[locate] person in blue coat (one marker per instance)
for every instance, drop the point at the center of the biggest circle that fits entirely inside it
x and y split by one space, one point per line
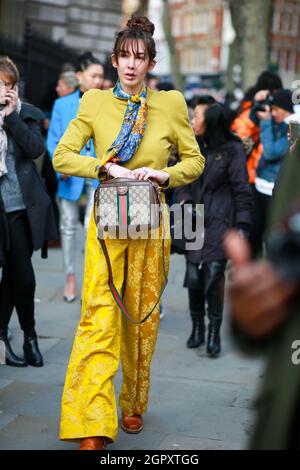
273 124
90 75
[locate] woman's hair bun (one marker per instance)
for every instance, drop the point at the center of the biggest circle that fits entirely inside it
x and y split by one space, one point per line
141 23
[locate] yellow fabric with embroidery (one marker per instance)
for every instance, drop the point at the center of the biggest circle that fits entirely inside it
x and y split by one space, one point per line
88 403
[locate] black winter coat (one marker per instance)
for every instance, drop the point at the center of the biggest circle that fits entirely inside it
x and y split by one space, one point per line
227 199
24 129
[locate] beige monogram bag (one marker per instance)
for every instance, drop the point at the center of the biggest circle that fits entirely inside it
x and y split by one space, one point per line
124 203
121 204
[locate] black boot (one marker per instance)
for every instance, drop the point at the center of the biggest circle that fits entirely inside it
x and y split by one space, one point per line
10 357
31 350
198 330
213 340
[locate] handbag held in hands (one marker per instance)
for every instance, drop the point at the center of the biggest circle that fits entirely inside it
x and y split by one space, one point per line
127 208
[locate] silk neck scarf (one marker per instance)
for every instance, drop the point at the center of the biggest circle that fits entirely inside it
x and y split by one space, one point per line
133 126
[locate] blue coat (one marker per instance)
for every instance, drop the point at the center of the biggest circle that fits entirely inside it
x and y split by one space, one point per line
64 110
274 138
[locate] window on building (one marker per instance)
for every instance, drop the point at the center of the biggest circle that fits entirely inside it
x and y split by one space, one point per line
176 23
203 22
282 59
188 24
295 25
196 60
292 59
276 22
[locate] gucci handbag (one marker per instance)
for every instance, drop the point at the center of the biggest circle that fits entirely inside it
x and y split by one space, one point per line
123 206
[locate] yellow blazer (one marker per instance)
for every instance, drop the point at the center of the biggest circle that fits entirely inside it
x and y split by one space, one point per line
100 117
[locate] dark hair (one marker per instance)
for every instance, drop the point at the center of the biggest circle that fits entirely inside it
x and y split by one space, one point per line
85 60
165 86
203 99
138 27
268 81
217 129
9 68
249 94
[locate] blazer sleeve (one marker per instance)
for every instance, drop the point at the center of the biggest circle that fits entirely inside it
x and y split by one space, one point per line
192 162
67 159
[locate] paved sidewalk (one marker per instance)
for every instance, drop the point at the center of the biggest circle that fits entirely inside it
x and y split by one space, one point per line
196 402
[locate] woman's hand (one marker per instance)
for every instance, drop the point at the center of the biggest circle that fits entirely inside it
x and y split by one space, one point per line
261 95
11 98
117 171
145 173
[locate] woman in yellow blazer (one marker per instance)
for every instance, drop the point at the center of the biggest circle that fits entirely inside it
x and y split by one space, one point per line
134 129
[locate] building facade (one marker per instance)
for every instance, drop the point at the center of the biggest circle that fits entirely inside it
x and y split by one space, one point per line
79 24
198 29
203 33
285 39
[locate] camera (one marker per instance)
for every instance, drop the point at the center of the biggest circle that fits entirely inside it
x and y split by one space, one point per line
262 105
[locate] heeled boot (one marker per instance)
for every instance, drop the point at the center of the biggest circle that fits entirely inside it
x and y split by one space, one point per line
196 338
214 340
32 353
215 281
11 359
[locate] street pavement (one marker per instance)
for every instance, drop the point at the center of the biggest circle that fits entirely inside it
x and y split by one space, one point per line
195 402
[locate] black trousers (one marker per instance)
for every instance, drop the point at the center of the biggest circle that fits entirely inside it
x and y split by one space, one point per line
17 285
260 217
206 285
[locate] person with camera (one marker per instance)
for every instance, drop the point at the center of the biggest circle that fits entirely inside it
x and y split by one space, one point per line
26 216
246 128
90 75
272 116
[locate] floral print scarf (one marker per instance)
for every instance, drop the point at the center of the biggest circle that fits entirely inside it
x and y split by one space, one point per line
133 126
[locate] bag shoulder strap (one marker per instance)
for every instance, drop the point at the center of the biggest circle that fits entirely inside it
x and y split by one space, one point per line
116 295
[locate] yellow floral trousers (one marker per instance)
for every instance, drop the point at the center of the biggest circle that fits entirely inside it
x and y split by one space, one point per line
104 334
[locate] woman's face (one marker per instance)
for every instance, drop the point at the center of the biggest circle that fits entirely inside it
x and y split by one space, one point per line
92 77
5 85
198 121
132 64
